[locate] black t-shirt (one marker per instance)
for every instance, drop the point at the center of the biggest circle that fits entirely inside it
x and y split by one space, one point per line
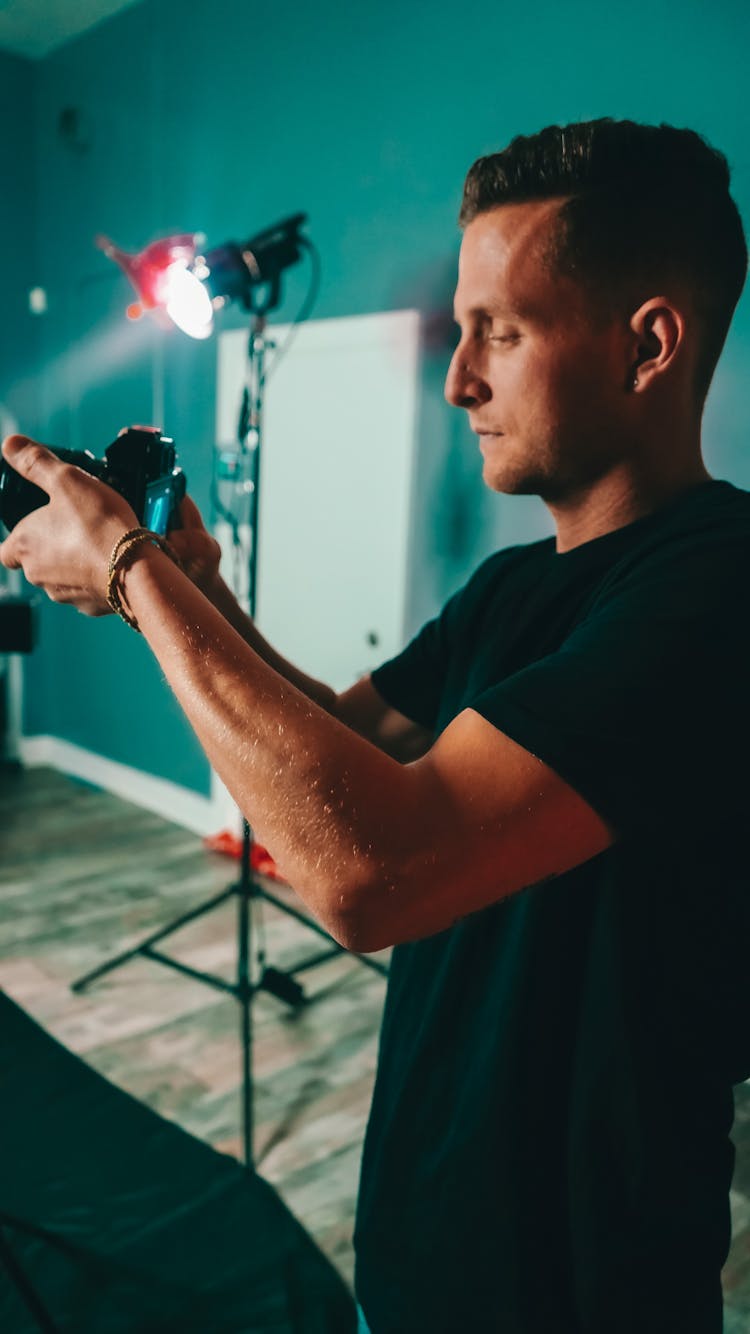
548 1148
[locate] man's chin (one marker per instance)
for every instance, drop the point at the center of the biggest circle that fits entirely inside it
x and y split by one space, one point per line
509 481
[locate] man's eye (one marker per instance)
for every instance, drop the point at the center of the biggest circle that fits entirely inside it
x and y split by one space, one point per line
503 338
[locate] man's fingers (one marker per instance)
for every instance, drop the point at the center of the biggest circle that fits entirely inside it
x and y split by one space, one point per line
31 460
197 550
8 559
190 514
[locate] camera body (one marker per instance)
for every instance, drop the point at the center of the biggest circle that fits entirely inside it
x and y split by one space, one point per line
140 465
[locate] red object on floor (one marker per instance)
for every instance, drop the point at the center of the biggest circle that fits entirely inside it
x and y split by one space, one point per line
230 845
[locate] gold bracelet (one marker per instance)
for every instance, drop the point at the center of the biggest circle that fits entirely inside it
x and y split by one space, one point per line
122 557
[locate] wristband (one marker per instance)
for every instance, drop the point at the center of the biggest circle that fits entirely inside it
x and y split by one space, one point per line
124 550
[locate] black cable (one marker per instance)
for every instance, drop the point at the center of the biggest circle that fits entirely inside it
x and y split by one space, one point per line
303 313
218 509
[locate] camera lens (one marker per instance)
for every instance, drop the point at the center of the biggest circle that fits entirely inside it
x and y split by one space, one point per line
18 496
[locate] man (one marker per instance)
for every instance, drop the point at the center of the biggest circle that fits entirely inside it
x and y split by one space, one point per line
539 801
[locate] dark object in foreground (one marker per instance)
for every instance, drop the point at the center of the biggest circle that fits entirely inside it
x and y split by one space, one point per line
114 1221
16 623
139 464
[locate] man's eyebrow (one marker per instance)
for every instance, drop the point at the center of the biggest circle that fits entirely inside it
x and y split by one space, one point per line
490 312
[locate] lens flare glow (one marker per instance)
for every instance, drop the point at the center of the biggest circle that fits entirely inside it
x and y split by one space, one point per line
187 301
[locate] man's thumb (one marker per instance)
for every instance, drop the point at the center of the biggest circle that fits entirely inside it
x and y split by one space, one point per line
30 459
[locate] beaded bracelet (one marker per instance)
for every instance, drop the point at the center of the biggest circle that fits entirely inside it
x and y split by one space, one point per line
121 558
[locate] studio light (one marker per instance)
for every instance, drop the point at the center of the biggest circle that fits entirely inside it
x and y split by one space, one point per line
176 276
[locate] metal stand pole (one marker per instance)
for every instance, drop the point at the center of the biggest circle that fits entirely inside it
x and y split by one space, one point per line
245 993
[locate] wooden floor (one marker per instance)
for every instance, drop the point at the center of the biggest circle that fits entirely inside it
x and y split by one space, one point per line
83 873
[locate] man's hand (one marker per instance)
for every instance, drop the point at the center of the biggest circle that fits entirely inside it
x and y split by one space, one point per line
64 547
199 552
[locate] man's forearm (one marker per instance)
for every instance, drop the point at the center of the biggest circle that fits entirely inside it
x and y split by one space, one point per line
331 807
224 600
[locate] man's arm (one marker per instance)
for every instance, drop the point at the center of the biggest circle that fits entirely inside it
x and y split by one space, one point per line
382 852
360 707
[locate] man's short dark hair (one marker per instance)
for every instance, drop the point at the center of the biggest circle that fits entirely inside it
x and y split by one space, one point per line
642 204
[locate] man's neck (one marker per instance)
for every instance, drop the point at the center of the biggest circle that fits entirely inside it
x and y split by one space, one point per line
616 500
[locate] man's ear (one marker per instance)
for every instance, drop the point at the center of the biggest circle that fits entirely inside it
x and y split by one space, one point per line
658 326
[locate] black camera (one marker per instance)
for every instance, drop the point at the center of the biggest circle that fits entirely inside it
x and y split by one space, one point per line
139 464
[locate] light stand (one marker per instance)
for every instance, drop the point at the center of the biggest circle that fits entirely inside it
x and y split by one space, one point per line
264 258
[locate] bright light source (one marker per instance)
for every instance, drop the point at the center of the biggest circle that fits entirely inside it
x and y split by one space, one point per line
171 277
187 301
149 271
38 301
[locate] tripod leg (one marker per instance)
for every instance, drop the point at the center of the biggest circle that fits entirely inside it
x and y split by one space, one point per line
118 960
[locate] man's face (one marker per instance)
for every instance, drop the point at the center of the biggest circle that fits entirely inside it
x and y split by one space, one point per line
541 377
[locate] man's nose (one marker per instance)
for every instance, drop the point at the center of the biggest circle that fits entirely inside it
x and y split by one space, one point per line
464 387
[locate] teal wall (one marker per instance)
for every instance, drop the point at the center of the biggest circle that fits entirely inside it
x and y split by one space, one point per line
18 328
224 117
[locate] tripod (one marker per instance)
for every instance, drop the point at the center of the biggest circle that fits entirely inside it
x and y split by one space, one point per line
280 983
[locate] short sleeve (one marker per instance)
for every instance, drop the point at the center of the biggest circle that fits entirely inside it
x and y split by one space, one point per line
643 708
414 681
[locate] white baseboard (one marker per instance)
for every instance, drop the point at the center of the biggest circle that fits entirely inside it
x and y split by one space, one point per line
201 815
